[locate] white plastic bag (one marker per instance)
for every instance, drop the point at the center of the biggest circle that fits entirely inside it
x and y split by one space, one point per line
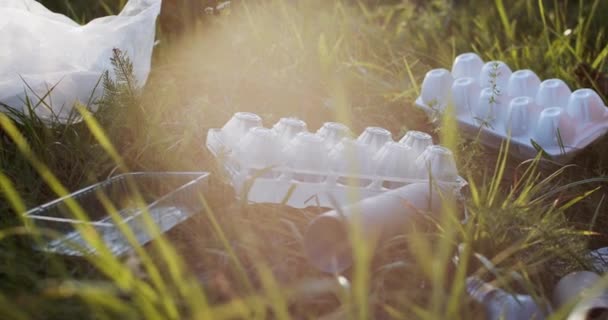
42 51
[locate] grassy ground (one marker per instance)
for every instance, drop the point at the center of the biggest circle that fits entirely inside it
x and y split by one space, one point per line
360 63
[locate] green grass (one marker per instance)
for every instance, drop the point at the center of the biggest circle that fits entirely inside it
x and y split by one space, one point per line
360 63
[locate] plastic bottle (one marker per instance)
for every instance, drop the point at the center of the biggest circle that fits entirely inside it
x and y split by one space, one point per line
500 304
581 288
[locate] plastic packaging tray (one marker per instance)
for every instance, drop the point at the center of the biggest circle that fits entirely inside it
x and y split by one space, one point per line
496 103
170 198
288 164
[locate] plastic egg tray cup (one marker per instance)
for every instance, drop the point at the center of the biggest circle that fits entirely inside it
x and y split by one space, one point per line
288 164
502 104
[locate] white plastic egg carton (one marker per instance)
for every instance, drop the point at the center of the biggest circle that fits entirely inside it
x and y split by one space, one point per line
496 103
287 164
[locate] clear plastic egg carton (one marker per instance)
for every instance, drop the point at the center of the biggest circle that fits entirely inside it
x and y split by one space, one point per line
491 100
288 164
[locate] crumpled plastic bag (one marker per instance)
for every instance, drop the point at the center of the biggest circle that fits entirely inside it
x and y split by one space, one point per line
56 62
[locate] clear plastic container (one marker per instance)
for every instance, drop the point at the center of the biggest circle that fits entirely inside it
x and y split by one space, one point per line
169 198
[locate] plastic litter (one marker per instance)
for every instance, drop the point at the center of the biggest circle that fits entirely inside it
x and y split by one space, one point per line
581 288
327 241
599 259
43 50
288 164
500 103
503 305
170 198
